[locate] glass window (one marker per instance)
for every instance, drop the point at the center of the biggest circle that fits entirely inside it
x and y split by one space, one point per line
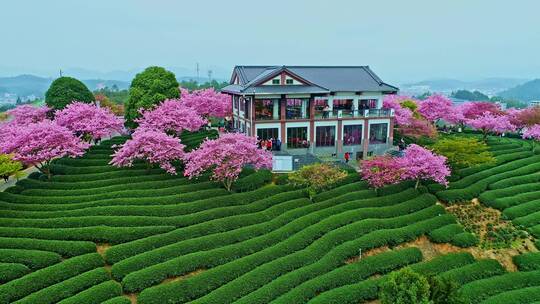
297 138
365 104
275 81
267 133
297 108
289 81
325 136
352 135
377 133
343 104
264 109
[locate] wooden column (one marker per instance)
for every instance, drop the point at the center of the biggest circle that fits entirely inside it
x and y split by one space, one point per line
339 142
365 143
391 132
312 121
283 116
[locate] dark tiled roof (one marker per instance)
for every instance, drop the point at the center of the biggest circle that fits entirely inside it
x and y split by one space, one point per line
331 78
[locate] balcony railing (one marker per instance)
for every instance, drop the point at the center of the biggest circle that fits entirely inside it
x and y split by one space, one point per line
352 113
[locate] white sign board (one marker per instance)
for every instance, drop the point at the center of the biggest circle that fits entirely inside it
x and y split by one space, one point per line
282 163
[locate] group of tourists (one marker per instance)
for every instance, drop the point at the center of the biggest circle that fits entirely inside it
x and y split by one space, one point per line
271 144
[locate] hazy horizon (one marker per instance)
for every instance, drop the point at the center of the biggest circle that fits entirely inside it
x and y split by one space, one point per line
401 41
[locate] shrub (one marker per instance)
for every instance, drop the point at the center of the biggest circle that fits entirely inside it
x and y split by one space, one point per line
446 233
95 294
463 151
475 292
65 90
147 89
64 248
253 181
45 277
527 261
317 177
209 280
349 274
117 300
11 271
514 181
341 190
34 259
464 239
67 288
489 197
479 270
97 234
519 296
404 287
368 289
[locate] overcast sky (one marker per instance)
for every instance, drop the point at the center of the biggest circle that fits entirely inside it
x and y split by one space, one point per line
400 40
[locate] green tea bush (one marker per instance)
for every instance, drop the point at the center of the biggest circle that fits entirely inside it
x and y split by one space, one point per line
67 288
253 181
117 300
445 234
40 279
479 270
519 296
377 237
64 248
527 261
97 234
95 294
464 239
33 259
11 271
368 289
348 274
475 292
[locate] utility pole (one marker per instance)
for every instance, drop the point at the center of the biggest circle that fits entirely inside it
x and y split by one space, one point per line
197 72
209 75
60 72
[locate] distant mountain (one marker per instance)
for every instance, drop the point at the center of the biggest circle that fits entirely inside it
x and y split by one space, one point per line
25 85
489 86
526 92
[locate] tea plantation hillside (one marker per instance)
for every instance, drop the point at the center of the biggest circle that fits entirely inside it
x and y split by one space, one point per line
99 234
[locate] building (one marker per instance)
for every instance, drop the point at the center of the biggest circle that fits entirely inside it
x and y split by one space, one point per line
534 103
323 110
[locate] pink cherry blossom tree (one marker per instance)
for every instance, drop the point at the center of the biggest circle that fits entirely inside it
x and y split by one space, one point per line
402 115
380 171
472 110
489 122
436 107
207 102
27 114
89 121
226 156
419 163
418 127
533 133
171 116
153 147
39 143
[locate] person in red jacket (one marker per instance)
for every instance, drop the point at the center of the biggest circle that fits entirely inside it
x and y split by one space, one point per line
346 156
269 144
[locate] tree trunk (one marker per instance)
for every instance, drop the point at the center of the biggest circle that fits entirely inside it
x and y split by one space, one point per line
417 184
228 184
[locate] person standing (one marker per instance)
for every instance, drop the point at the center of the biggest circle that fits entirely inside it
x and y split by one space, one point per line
346 156
326 111
269 145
